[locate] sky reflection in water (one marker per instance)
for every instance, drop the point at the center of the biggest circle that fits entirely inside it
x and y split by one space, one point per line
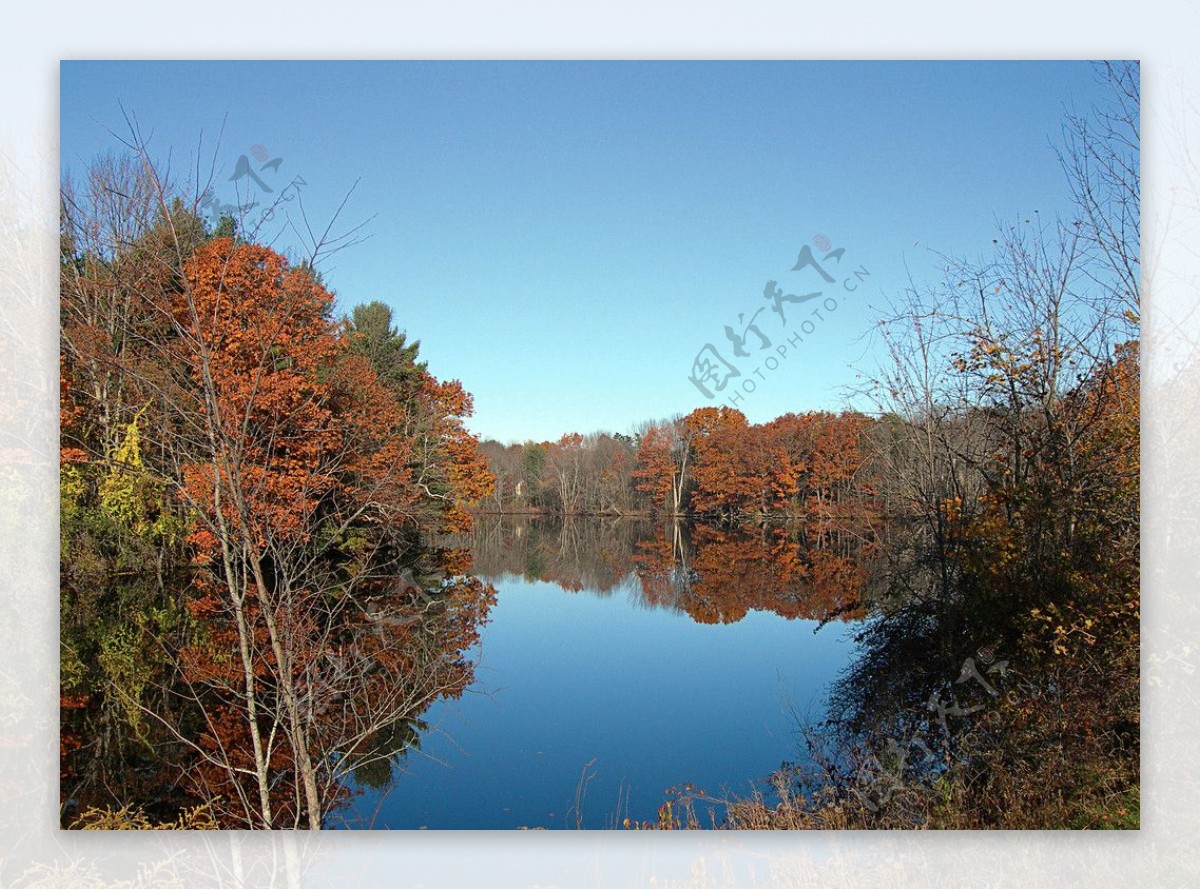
648 696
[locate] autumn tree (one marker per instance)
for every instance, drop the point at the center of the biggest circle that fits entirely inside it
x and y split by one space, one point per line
297 444
664 465
445 462
737 467
611 467
1009 428
213 404
505 463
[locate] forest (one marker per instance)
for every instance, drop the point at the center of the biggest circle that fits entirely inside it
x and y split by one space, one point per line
266 505
711 464
249 614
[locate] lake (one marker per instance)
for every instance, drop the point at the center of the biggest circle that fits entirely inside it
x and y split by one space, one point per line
623 659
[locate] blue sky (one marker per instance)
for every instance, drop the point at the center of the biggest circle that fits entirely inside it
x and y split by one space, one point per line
566 237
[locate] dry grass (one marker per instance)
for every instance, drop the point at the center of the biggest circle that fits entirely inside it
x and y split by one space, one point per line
128 818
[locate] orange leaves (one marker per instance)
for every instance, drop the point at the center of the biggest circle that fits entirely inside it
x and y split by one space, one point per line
729 573
298 423
1111 404
656 469
450 455
374 453
68 417
705 421
299 431
737 469
731 469
795 460
470 478
258 337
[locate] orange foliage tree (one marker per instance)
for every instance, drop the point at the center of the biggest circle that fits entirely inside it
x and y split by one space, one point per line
663 466
714 463
445 461
298 471
738 468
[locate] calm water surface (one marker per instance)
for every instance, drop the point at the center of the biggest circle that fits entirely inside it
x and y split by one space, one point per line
596 692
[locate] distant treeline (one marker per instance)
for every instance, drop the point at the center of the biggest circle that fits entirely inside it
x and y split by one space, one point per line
711 464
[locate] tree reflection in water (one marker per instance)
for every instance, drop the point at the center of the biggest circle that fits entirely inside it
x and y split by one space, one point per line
380 658
715 575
